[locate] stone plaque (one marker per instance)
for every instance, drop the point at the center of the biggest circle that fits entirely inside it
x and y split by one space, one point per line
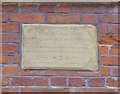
59 46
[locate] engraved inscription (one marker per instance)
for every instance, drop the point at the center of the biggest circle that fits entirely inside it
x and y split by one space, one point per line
59 46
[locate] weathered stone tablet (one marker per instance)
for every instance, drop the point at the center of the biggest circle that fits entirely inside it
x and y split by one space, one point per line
59 46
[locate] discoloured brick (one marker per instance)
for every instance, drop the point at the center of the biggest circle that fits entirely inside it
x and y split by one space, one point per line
5 17
114 28
113 8
112 82
28 8
28 18
90 19
63 19
10 90
10 28
115 71
4 59
105 71
102 29
9 8
4 37
109 18
63 9
16 59
58 81
45 90
88 8
109 39
5 81
9 48
115 50
30 81
14 38
10 70
46 8
98 82
103 49
110 61
76 82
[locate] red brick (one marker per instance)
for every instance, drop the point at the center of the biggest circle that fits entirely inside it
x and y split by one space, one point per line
28 8
105 71
109 39
89 8
10 28
5 17
103 49
5 81
28 18
109 60
63 19
45 90
96 90
4 59
14 38
63 9
1 91
112 82
58 81
16 59
10 90
109 18
115 49
90 19
31 73
97 82
9 8
1 84
113 8
114 28
103 29
4 37
30 81
76 82
9 48
54 90
115 71
46 8
10 70
30 90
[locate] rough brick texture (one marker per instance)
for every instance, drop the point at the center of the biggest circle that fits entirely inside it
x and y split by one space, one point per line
29 82
98 82
103 16
58 81
76 82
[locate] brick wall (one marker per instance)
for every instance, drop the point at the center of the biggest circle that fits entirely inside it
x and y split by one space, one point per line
103 16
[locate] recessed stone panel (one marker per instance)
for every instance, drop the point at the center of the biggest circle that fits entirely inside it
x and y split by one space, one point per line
59 46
